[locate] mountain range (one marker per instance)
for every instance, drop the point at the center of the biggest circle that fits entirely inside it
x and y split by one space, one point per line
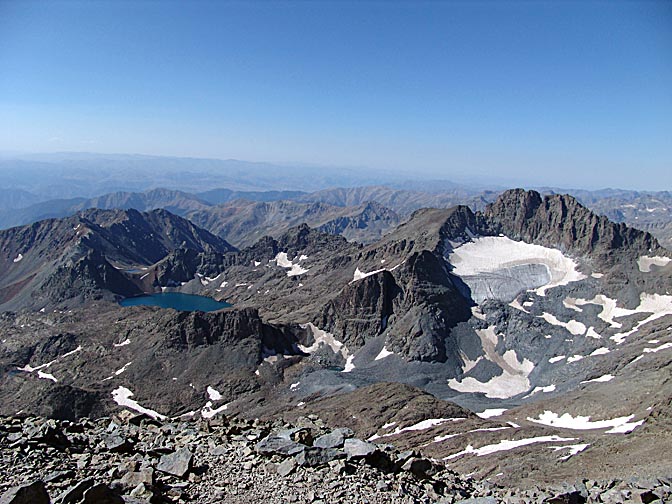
551 322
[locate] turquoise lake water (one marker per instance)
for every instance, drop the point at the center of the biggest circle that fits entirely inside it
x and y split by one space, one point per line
177 301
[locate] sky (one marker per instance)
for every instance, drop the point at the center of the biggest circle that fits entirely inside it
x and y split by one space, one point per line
562 93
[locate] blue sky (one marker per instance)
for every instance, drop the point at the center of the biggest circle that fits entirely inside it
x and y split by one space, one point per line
571 94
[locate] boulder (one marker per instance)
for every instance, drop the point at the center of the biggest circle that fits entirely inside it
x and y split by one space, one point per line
356 448
278 445
32 493
177 463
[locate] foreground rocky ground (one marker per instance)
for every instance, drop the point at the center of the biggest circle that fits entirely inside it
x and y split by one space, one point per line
135 459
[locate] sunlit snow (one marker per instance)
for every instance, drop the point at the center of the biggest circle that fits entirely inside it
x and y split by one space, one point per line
573 326
213 394
492 254
322 338
620 425
601 379
492 412
383 353
18 258
506 445
294 269
122 396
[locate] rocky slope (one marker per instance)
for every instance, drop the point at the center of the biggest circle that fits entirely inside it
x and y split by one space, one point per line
535 313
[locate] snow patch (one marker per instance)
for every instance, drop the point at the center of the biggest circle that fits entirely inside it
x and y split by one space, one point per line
123 343
602 379
322 338
489 254
492 412
213 394
349 366
506 445
122 396
294 269
573 326
545 390
664 346
124 368
512 381
383 353
208 412
46 376
655 304
516 304
620 425
573 449
645 262
18 258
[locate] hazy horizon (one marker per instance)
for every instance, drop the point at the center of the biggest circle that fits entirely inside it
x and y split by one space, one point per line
559 94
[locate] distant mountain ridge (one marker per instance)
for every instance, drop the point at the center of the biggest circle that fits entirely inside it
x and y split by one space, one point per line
647 211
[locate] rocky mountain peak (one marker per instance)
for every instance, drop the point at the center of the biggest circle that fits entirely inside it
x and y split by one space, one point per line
560 221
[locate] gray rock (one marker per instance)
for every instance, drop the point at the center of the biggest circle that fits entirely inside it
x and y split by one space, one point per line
177 463
33 493
334 439
314 457
356 448
278 445
115 442
286 467
479 500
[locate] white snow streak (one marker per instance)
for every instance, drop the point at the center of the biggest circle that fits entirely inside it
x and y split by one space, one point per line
122 396
620 425
492 412
506 445
601 379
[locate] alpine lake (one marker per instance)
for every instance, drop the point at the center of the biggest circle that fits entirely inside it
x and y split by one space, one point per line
177 301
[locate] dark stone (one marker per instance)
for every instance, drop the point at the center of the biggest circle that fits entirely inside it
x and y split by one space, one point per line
276 445
419 467
115 442
101 494
648 497
314 457
302 436
571 497
76 493
177 463
33 493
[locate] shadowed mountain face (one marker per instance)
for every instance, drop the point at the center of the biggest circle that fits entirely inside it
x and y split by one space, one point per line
535 305
83 256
